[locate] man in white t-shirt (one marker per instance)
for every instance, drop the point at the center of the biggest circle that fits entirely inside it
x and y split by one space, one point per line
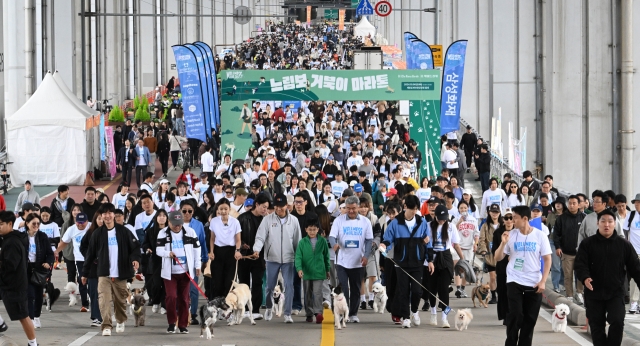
207 161
75 234
351 238
119 200
338 186
526 247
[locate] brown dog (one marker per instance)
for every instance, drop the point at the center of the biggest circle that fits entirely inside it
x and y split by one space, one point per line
139 309
482 293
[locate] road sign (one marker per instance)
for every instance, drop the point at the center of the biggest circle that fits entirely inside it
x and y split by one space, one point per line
364 8
436 51
242 15
331 14
383 8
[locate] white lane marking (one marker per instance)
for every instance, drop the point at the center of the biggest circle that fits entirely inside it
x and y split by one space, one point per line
81 340
569 332
49 194
637 325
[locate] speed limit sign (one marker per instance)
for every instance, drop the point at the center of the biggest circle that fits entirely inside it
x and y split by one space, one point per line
383 8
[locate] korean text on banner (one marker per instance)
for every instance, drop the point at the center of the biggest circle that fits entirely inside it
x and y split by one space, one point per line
213 79
103 150
200 55
419 55
308 15
110 150
341 14
452 78
191 92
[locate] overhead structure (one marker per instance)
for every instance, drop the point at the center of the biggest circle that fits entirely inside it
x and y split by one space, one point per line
49 138
364 28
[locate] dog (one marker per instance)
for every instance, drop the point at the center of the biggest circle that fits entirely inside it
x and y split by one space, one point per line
380 298
463 318
132 293
236 300
482 293
71 288
139 309
209 315
51 294
395 139
340 307
278 300
559 319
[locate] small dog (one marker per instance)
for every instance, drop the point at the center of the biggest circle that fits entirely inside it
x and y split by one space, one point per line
482 293
236 300
52 294
71 288
139 309
132 293
278 300
340 307
209 315
380 298
463 318
559 319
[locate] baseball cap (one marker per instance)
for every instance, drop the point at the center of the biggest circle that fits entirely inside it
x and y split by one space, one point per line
203 175
280 200
330 157
28 206
507 211
441 213
466 192
536 206
358 188
392 192
81 218
240 192
164 181
238 182
405 174
353 183
175 218
249 202
434 199
495 208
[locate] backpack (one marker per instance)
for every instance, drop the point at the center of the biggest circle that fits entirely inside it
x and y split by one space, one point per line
631 217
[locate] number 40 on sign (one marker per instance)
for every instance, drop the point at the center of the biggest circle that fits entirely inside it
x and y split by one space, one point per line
383 8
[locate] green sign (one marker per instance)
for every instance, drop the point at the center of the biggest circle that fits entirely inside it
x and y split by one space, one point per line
330 14
354 3
418 86
424 127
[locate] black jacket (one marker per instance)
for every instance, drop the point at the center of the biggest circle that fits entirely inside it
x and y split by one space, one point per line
565 232
604 261
303 220
90 268
13 262
249 224
44 253
128 251
56 214
89 209
483 163
468 142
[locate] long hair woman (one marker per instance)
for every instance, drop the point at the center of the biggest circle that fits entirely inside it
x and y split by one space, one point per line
514 198
67 252
225 240
468 233
155 284
484 246
91 270
501 267
40 259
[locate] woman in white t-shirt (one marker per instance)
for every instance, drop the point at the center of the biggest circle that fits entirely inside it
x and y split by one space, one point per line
224 248
486 242
424 192
159 197
468 233
493 196
514 198
38 245
443 237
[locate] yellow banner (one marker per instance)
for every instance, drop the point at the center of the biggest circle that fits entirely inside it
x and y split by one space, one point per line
308 15
341 14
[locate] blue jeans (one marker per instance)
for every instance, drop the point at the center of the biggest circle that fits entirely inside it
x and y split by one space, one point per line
180 126
557 274
297 296
288 272
93 295
484 180
194 295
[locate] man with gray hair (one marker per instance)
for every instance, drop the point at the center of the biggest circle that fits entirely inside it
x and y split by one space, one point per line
351 238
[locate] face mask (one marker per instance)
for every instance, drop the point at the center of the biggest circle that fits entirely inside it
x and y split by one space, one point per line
464 213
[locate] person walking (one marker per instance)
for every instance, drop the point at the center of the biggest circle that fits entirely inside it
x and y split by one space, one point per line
40 261
61 205
179 248
526 279
29 195
164 149
631 225
189 208
224 248
74 236
91 272
565 239
280 233
125 160
207 162
14 281
602 263
142 160
501 266
468 143
483 165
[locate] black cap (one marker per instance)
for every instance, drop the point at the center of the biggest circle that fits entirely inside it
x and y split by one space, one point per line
280 200
441 213
495 208
434 199
255 184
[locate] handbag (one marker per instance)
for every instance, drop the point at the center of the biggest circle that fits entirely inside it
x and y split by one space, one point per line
39 278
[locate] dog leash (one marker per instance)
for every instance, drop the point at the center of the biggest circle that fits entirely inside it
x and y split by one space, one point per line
190 278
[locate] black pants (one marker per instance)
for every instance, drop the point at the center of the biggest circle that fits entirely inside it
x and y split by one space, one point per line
501 278
438 284
250 272
601 311
468 155
164 161
390 281
524 307
127 173
84 292
72 273
141 171
34 293
174 158
407 291
223 269
351 280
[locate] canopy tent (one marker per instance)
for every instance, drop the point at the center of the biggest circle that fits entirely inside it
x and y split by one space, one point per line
47 138
364 28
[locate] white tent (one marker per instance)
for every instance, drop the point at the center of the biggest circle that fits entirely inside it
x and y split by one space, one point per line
47 137
364 28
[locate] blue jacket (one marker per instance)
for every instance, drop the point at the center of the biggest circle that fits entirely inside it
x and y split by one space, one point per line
199 228
145 153
411 250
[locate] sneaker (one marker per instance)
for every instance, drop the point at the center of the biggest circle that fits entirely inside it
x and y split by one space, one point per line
155 308
396 319
263 307
445 324
319 318
246 314
434 320
562 288
295 312
415 319
570 299
371 304
326 304
493 301
3 327
257 317
163 311
171 329
96 323
268 315
36 322
463 293
354 319
556 289
406 323
184 330
106 332
363 305
579 299
194 320
120 328
83 309
458 293
288 319
309 319
633 308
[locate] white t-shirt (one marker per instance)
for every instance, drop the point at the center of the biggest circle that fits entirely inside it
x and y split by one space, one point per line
16 225
119 200
351 236
147 186
493 197
177 246
423 194
32 249
143 220
467 232
357 161
438 244
634 229
338 188
525 252
73 234
201 188
158 199
512 200
225 234
113 253
133 231
450 155
52 230
217 196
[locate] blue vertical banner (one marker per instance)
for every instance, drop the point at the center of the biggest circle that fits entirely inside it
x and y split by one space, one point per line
191 89
213 87
103 141
204 87
418 53
451 97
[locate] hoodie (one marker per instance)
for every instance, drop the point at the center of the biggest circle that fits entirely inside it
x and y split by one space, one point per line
13 262
410 248
280 240
25 196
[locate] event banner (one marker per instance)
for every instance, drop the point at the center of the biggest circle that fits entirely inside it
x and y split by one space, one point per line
204 85
451 99
190 87
215 104
103 150
424 128
419 55
110 150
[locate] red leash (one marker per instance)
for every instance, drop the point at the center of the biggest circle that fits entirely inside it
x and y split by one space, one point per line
190 278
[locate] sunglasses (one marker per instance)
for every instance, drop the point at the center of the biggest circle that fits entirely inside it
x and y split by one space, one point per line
228 192
35 224
508 218
187 211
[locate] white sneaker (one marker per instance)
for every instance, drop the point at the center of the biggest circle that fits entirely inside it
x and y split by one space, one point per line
155 307
288 319
415 318
257 316
326 304
36 322
445 324
354 319
268 314
633 308
406 323
295 311
247 314
120 328
106 332
434 320
579 299
570 299
163 311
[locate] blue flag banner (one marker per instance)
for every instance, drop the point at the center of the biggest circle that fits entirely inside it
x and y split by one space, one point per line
451 98
214 104
190 87
204 86
419 55
103 149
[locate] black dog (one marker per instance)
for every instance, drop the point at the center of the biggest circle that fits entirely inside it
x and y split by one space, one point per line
52 295
209 315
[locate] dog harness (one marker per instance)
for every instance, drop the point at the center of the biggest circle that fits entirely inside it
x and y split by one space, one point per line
483 295
560 318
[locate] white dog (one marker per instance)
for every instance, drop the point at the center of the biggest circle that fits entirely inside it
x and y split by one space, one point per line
559 319
278 300
340 307
463 318
71 288
380 298
239 296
